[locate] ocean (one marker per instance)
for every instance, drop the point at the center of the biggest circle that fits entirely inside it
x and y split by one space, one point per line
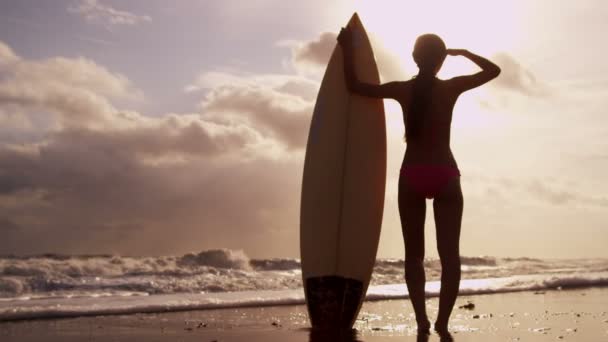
51 285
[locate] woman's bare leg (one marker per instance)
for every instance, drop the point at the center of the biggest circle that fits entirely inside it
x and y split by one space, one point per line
447 209
412 210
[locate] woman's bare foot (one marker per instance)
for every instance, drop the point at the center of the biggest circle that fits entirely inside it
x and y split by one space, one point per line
424 327
445 337
441 327
443 332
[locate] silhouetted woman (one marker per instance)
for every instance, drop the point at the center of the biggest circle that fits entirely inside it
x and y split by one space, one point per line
429 169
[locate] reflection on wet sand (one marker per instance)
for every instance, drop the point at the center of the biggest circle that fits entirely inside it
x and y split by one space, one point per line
351 336
443 337
334 336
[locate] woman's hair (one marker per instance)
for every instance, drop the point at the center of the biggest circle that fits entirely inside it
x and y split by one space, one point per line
429 53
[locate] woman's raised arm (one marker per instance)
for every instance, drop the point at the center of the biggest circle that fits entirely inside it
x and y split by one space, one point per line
488 72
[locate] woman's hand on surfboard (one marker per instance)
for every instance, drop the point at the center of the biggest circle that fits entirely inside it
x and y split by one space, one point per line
345 38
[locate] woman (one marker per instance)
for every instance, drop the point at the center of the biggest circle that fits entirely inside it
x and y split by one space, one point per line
429 169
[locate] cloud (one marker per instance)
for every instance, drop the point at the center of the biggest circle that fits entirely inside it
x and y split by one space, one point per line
551 192
279 106
557 196
8 225
517 78
94 11
315 52
88 191
89 176
273 111
290 84
313 56
7 55
62 92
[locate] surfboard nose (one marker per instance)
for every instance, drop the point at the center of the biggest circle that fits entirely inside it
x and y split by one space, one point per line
355 20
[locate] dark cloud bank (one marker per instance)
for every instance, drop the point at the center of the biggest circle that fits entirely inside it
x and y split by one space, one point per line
78 175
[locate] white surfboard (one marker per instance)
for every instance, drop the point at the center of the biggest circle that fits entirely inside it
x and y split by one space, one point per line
342 190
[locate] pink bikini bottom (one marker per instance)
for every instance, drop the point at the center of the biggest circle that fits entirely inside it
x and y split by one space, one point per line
429 179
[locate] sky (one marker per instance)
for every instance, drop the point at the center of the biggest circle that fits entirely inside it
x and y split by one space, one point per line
151 127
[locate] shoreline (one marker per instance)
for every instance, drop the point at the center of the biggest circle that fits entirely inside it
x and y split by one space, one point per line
568 315
17 309
146 311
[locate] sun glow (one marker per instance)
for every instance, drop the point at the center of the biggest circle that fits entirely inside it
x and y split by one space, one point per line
481 26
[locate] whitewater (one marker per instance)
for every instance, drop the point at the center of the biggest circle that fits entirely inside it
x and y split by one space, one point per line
48 286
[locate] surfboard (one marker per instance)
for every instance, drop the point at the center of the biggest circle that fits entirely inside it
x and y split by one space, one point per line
343 187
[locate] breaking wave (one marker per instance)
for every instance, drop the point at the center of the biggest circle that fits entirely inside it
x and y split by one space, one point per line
223 277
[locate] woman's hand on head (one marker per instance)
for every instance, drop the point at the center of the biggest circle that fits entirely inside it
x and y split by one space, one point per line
456 52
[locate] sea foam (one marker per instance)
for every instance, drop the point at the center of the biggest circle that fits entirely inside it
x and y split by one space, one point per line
19 309
61 285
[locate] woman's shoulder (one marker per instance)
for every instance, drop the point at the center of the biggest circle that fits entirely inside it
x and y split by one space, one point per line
445 81
407 84
402 84
449 84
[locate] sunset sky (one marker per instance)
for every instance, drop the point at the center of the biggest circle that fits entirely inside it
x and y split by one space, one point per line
149 127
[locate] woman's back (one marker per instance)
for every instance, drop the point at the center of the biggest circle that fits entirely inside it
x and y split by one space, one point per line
432 143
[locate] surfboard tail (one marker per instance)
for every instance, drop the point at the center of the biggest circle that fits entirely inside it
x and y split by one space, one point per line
333 301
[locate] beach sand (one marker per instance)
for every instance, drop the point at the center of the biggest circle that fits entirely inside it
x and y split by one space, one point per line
558 315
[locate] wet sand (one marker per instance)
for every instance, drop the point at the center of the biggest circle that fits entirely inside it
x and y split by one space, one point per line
567 315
